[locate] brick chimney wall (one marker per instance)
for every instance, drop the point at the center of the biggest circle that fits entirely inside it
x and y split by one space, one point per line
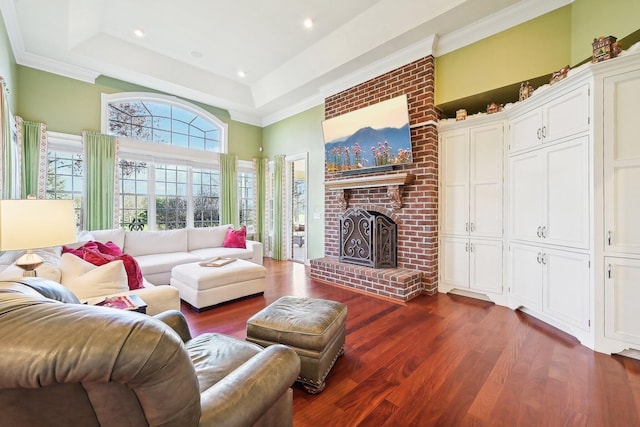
417 219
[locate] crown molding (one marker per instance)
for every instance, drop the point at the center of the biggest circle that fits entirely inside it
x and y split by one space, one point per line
243 117
56 67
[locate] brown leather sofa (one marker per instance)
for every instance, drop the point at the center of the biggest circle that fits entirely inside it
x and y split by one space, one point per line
68 364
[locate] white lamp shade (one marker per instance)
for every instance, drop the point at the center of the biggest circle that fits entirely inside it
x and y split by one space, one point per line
38 223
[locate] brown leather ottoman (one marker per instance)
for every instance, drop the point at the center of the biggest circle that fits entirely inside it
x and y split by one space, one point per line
314 328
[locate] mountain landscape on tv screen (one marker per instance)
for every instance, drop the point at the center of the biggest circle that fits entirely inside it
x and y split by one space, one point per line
368 147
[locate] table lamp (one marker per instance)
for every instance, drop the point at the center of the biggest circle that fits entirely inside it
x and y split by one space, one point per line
35 223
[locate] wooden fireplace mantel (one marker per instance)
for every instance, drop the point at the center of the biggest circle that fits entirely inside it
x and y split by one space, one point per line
393 182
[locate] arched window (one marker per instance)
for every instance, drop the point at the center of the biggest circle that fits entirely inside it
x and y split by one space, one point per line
163 119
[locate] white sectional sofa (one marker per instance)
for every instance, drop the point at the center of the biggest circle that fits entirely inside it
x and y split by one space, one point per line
156 252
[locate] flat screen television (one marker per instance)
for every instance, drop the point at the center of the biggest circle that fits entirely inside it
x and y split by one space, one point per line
373 137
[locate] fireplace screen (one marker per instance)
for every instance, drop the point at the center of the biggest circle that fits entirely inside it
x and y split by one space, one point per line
368 239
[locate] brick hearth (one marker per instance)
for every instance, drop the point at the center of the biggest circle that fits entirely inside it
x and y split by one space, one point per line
396 283
417 219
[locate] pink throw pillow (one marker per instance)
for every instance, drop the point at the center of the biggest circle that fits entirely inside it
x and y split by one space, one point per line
236 238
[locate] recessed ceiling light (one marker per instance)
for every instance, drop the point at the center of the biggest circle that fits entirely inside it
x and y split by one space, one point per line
138 32
196 54
242 74
308 23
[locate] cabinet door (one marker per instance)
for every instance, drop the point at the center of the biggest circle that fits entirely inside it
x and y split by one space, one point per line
455 182
525 275
525 131
566 286
622 163
621 296
525 209
566 204
454 262
566 115
485 265
485 180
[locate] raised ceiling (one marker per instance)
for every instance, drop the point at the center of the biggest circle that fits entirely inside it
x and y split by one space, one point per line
195 48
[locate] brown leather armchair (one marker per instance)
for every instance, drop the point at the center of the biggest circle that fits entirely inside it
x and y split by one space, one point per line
68 364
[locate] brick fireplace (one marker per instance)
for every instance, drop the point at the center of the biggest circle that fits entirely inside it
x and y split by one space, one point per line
408 194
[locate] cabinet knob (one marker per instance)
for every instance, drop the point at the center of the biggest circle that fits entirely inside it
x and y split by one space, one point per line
544 131
543 258
609 271
538 232
543 232
538 258
539 133
466 247
466 226
609 234
472 227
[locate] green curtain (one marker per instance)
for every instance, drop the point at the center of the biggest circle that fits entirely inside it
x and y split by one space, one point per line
30 150
7 151
278 208
260 171
100 167
229 190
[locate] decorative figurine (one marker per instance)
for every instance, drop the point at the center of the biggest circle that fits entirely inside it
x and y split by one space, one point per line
493 108
605 48
560 74
525 91
461 114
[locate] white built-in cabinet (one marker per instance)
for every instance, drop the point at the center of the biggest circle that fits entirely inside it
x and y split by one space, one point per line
571 198
560 117
471 193
552 282
550 194
620 276
550 205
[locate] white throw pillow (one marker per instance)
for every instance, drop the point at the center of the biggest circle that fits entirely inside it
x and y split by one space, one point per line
86 280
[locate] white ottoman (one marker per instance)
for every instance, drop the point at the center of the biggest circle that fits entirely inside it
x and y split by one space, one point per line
204 287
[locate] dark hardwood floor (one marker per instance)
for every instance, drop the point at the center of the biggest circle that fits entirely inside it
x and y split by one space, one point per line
446 361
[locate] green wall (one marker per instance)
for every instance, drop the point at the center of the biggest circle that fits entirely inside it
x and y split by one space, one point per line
596 18
71 106
299 134
532 49
8 67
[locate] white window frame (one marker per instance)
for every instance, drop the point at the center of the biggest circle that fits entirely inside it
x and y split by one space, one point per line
245 166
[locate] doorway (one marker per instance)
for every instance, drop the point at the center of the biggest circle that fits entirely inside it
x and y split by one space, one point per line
297 208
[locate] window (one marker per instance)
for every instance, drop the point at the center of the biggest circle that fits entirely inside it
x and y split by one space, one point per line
206 198
134 194
64 179
164 123
171 197
246 199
